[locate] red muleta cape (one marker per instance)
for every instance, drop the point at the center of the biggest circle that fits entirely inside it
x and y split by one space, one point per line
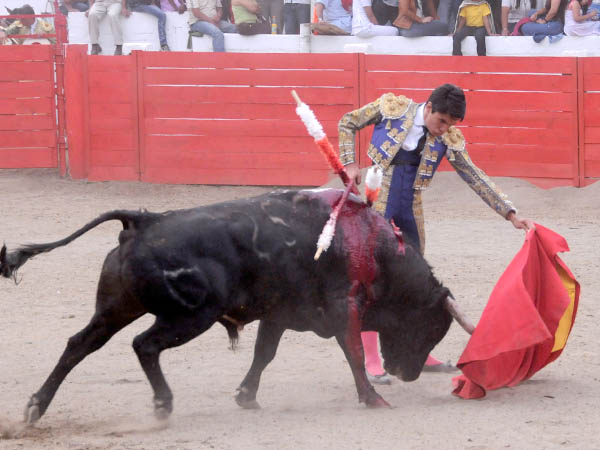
526 322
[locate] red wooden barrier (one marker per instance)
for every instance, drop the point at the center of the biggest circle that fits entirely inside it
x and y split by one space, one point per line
521 115
28 129
589 136
230 118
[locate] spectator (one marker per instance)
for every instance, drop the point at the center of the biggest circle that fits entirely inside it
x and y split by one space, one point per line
98 10
248 20
364 23
273 10
513 11
411 24
173 5
73 5
579 24
16 27
385 11
295 12
205 16
149 7
334 13
474 19
547 21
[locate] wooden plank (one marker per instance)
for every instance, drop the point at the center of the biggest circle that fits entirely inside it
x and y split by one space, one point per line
113 110
26 106
254 77
519 153
311 96
27 70
592 169
592 152
231 144
446 65
114 158
255 177
592 135
474 81
103 64
112 173
25 89
25 139
14 53
126 140
312 61
496 117
519 101
19 158
218 160
517 136
160 108
240 128
110 125
27 122
107 80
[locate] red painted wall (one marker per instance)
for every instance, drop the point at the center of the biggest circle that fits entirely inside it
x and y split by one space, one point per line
28 130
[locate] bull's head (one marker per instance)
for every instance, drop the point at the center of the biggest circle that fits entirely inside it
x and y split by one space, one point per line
413 318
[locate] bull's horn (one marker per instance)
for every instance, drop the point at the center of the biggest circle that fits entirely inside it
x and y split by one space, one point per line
454 309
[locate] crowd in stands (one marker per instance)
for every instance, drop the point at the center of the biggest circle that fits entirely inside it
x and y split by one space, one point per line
363 18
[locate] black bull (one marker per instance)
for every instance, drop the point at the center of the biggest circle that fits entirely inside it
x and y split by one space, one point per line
248 260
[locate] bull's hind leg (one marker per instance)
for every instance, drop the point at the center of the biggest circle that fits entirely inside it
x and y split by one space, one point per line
169 332
267 340
114 310
112 314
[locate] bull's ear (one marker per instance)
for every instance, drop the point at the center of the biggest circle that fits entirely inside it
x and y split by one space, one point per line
9 11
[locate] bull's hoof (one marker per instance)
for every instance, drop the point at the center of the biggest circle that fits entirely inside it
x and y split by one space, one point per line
162 409
32 411
245 400
377 402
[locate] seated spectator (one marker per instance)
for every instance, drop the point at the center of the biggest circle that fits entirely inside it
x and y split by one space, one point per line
364 23
513 11
16 27
333 12
295 12
99 9
205 16
547 21
474 19
173 5
579 24
385 11
411 24
67 6
149 7
248 19
273 10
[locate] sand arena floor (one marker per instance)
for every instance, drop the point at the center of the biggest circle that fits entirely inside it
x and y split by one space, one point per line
307 394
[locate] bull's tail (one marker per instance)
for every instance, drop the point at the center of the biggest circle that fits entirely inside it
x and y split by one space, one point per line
10 262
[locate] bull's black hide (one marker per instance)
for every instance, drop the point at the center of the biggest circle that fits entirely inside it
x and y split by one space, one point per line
248 260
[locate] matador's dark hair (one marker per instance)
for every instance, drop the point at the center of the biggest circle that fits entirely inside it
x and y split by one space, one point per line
449 99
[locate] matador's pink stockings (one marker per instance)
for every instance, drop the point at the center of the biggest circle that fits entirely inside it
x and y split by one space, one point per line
373 360
371 347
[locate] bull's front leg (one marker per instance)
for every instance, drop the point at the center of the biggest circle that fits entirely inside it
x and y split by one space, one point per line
267 340
351 344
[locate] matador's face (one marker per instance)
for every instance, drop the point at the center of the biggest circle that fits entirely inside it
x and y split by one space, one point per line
437 123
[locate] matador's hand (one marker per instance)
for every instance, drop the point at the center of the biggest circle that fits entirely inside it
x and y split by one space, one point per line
353 172
520 224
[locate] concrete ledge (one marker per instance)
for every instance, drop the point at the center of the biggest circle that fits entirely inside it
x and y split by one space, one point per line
140 28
